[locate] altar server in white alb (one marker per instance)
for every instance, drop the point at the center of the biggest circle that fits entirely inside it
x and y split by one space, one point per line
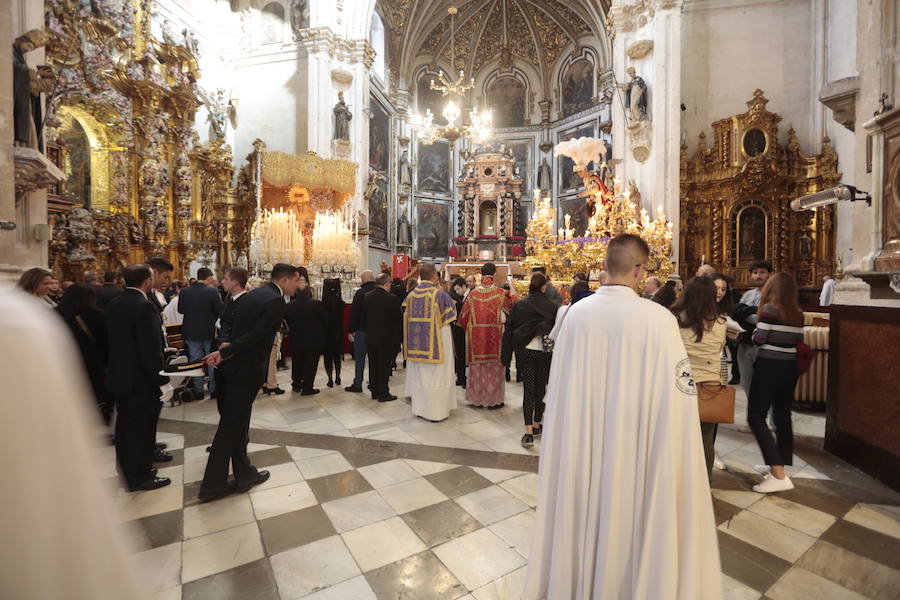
624 509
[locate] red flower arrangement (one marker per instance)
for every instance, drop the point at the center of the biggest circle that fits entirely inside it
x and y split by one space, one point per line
517 238
453 252
459 240
517 250
487 237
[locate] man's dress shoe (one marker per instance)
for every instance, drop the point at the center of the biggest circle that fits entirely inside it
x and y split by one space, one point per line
311 392
161 445
261 477
161 456
204 497
153 483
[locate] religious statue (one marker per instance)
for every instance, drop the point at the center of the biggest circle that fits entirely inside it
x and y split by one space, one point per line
635 97
404 231
299 17
405 170
191 42
544 177
217 114
168 32
342 117
27 86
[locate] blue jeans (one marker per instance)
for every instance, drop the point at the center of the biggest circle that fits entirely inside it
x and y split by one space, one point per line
359 355
196 351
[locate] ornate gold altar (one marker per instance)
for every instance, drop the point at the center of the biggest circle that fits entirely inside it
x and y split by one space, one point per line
489 219
120 124
735 198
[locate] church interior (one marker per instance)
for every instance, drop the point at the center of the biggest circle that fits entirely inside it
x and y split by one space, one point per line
350 136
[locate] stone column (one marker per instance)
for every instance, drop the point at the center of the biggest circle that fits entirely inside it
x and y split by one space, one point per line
648 39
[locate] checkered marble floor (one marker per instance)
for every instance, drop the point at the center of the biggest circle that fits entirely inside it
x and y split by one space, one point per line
367 502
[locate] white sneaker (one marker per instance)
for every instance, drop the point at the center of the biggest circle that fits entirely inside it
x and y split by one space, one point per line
762 469
718 464
771 484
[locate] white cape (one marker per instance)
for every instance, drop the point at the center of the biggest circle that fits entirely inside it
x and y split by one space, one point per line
432 386
624 509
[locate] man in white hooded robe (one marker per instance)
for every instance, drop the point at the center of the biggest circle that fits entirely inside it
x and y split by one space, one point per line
624 509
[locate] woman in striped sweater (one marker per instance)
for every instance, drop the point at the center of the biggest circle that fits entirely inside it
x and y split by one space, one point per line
775 374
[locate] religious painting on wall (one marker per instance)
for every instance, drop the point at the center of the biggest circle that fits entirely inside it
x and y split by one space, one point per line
432 229
576 208
379 136
568 180
506 97
751 235
521 152
433 168
577 87
427 98
754 143
378 214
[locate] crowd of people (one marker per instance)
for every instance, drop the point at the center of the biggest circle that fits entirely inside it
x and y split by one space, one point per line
610 380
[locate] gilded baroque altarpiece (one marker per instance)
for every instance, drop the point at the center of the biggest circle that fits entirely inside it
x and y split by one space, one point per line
153 189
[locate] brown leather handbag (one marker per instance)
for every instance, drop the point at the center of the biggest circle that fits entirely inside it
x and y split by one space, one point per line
716 402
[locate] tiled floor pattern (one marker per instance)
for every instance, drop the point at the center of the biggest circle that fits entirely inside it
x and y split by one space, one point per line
341 527
367 502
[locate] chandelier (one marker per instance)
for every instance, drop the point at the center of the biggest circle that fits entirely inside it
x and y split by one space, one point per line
478 127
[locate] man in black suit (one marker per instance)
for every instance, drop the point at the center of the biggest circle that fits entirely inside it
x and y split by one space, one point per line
110 289
357 330
242 361
135 360
308 323
384 326
235 285
201 306
161 275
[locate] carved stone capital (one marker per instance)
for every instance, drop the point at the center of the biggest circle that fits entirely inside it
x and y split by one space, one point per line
640 49
323 40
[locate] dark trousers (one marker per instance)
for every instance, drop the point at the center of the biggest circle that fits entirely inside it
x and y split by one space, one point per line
135 436
332 361
359 355
459 353
534 366
773 386
708 432
304 364
380 359
230 443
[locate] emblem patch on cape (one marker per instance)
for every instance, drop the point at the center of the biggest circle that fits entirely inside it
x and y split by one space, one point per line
684 379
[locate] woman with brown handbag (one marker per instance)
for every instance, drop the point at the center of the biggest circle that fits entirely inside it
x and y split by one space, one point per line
703 333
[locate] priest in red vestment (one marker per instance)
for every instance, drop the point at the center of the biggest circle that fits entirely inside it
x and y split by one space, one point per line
482 319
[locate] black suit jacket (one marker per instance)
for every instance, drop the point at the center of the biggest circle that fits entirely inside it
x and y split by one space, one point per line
201 306
226 319
135 353
357 309
107 292
308 322
384 319
257 316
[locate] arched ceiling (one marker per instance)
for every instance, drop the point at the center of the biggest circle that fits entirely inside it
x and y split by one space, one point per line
535 32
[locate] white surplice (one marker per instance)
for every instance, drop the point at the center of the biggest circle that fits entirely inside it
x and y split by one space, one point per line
624 509
432 386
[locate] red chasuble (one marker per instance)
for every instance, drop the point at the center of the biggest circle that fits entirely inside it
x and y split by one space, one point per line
482 320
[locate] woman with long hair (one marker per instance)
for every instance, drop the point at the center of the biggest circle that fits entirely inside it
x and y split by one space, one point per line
530 320
79 310
334 342
775 374
702 327
36 281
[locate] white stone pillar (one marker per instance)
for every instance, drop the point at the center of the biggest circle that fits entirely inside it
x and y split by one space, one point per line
648 38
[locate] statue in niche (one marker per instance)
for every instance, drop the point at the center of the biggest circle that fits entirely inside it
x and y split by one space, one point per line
342 117
168 32
805 244
544 177
635 97
27 87
404 231
405 177
299 17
